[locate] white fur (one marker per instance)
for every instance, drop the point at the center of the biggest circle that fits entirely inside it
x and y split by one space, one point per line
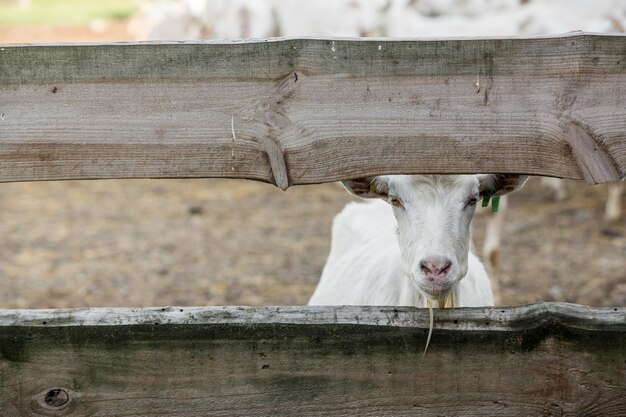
193 19
371 264
491 246
613 209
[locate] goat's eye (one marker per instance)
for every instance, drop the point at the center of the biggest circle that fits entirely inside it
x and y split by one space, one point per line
471 202
395 201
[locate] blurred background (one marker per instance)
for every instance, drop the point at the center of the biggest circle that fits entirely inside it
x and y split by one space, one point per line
216 242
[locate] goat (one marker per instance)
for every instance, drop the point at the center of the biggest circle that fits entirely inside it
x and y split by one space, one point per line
613 208
412 245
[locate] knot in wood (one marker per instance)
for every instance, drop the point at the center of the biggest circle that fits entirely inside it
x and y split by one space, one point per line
565 101
568 100
276 119
56 397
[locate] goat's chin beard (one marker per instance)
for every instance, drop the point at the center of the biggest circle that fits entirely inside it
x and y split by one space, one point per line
441 299
435 292
444 301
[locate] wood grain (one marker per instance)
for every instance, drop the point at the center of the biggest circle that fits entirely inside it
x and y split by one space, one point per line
301 111
547 359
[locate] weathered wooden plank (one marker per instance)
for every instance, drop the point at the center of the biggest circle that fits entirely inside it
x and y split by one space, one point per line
542 359
300 111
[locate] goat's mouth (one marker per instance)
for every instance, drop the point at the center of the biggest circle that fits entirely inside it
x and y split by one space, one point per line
435 291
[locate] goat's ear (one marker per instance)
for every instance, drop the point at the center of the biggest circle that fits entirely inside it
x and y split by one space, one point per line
496 185
367 187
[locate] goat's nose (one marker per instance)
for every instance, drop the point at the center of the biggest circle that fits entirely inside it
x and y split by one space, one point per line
435 267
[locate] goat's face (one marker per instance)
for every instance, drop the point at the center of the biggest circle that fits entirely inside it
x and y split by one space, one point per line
434 215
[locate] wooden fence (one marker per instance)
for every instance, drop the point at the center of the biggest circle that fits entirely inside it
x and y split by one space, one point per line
301 111
546 359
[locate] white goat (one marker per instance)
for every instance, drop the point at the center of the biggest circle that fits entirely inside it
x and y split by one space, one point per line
613 208
413 249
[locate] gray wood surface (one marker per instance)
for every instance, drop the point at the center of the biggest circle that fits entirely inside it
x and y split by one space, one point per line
547 359
300 111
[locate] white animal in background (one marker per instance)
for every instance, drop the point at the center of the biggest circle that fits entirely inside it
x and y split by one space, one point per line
171 20
236 19
240 19
612 208
555 186
410 245
225 19
332 18
203 19
438 18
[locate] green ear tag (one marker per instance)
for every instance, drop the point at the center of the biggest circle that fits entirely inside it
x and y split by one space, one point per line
486 199
495 202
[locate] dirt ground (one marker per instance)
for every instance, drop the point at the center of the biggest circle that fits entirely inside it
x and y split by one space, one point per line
216 242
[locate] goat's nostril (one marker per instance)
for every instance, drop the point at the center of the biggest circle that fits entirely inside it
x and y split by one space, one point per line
435 266
425 267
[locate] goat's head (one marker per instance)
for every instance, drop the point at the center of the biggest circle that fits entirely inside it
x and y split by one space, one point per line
433 214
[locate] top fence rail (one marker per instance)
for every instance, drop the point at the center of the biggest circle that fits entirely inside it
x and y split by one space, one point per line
302 111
